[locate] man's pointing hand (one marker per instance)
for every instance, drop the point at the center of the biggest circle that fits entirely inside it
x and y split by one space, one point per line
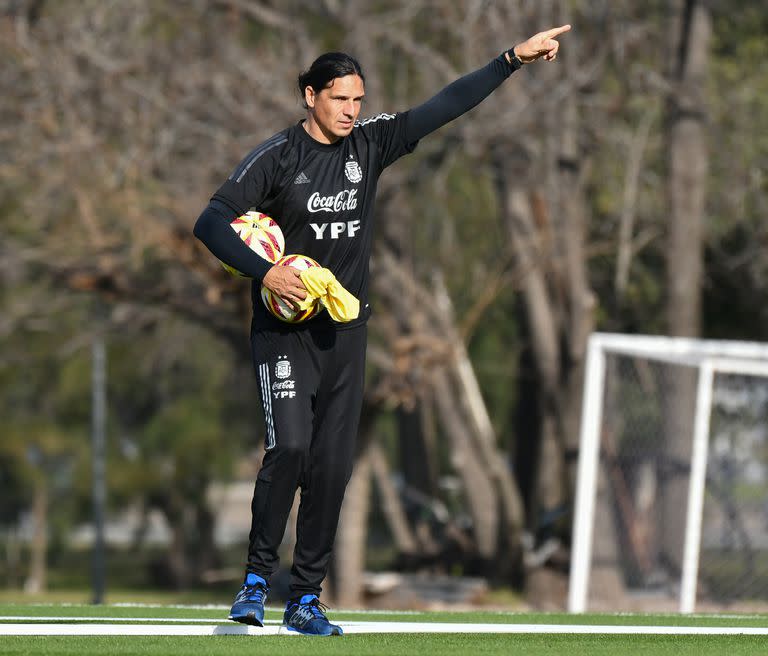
540 45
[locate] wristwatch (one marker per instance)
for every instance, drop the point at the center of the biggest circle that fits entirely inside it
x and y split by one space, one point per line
514 61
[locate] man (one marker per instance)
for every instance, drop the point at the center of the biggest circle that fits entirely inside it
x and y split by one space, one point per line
318 180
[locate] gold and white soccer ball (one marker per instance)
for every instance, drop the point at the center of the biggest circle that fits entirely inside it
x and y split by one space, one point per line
278 306
261 234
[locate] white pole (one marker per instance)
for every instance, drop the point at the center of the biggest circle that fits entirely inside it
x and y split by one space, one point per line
586 482
696 486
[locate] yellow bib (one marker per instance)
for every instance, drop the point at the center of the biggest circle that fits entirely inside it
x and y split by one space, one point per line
322 284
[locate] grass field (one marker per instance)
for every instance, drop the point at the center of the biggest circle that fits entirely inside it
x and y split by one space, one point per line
567 644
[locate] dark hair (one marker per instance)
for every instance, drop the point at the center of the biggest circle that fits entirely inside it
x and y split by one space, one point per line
326 68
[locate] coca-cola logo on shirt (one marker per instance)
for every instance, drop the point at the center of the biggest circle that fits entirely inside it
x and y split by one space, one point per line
344 200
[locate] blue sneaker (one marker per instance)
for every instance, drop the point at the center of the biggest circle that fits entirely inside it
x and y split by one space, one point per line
249 601
307 616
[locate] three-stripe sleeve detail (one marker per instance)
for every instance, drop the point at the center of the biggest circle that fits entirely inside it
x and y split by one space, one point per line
257 152
373 119
266 399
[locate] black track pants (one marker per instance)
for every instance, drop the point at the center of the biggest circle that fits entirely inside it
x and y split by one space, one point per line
311 384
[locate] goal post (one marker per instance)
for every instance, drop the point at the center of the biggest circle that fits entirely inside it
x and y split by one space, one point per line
644 460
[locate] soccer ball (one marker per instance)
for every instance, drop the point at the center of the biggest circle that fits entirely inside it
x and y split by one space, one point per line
262 235
281 308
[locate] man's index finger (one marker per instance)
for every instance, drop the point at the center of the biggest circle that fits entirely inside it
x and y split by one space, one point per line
556 30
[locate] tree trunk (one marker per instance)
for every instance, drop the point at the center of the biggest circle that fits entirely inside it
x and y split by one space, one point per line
344 582
478 487
688 166
527 227
482 434
350 538
571 211
547 226
404 538
416 460
178 563
37 580
206 556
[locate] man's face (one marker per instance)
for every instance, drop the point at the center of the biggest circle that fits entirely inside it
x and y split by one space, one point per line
335 108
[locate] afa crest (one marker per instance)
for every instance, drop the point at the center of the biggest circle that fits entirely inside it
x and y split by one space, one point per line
353 171
282 369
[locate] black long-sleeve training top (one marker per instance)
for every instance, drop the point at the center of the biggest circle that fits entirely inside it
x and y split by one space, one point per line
322 195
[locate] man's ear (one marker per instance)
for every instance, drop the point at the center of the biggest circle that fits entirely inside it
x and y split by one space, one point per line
309 96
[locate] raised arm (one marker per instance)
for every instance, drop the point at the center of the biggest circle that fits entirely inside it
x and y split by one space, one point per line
466 92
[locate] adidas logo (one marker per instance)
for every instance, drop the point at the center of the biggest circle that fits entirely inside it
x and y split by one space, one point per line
301 178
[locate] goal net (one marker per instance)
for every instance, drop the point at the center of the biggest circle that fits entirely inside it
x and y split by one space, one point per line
671 507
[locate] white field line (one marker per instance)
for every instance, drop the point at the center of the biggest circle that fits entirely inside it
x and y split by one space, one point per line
71 618
368 627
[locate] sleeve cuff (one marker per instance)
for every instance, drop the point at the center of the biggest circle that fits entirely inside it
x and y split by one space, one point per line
514 63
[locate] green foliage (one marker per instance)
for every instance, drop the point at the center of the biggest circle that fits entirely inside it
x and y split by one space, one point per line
176 412
738 200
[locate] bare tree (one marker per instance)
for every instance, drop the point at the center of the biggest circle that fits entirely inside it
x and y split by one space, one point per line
688 164
124 118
